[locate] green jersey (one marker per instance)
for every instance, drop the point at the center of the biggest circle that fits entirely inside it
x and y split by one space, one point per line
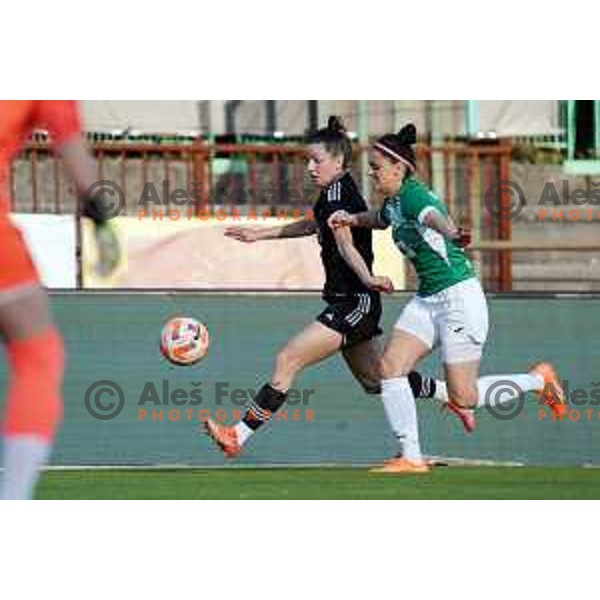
439 262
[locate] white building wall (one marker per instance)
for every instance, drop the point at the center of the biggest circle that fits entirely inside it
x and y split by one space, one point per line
440 117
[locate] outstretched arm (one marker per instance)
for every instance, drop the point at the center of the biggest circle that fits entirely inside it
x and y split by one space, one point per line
290 230
369 219
82 168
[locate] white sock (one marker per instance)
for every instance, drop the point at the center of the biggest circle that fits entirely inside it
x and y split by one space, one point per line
401 412
507 388
243 432
503 395
24 456
441 391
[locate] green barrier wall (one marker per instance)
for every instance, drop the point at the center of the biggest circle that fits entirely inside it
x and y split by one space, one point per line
115 337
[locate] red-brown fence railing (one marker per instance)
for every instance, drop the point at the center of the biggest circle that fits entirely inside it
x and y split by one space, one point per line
270 175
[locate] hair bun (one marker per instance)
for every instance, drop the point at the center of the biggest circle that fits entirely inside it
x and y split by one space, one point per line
335 123
407 136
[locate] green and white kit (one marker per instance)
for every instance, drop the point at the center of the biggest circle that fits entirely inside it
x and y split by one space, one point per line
450 308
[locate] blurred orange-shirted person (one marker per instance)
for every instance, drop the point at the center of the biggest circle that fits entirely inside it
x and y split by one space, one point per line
34 348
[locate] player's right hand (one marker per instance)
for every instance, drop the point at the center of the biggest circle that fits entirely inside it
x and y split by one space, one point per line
108 248
341 218
464 238
381 284
242 234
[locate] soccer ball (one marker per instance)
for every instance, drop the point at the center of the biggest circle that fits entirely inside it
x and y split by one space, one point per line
184 341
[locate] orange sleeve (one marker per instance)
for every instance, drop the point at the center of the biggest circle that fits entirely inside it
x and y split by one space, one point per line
59 117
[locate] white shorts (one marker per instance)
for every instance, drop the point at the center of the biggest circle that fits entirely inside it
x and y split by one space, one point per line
455 319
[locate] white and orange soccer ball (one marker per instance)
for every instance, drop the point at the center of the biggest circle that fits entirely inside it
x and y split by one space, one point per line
184 341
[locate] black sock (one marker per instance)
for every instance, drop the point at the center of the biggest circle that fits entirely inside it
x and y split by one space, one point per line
422 387
267 402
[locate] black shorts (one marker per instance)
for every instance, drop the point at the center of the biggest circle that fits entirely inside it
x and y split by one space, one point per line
355 316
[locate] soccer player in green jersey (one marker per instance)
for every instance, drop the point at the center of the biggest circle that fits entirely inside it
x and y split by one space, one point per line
449 309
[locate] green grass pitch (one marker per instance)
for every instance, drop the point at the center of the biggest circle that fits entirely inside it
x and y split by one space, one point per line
322 483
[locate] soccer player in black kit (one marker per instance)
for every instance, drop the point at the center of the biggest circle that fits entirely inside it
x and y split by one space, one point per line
350 322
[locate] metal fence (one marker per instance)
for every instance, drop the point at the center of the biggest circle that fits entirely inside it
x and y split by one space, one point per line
267 175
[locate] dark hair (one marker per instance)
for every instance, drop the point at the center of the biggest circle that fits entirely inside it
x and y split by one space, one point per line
335 139
399 146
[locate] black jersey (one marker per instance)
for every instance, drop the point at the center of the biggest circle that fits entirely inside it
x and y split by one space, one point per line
342 194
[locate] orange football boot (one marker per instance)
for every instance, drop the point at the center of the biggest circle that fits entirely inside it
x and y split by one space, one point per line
402 466
225 437
554 397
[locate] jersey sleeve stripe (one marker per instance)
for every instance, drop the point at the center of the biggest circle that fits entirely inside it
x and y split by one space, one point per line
425 212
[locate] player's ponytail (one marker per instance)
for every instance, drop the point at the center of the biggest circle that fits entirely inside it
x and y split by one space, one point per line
335 123
335 139
399 146
407 136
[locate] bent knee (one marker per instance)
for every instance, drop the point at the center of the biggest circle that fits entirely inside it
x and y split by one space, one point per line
389 369
370 387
